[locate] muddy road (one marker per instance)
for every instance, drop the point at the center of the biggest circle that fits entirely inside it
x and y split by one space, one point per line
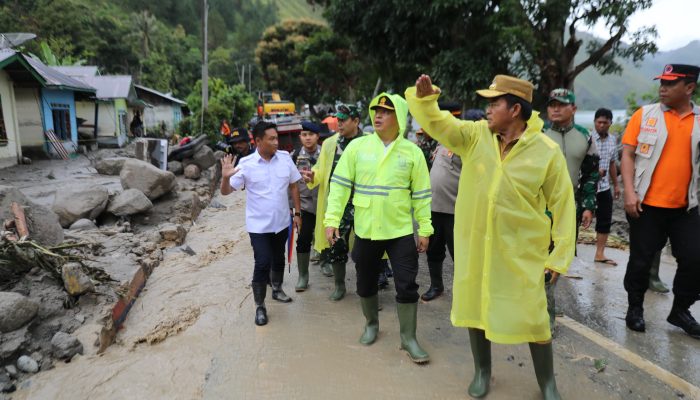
191 336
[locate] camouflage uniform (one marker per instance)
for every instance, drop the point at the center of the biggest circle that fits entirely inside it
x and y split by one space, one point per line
338 253
428 147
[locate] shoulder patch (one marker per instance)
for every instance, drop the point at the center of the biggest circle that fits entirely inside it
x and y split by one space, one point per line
586 133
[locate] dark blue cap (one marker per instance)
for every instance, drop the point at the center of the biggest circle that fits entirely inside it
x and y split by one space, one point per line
310 126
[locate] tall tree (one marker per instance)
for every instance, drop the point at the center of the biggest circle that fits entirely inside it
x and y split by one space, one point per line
551 42
463 44
281 59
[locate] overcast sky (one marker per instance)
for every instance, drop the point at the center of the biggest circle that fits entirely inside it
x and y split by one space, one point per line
676 21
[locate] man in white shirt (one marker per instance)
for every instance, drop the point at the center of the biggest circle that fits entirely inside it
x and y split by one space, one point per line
267 175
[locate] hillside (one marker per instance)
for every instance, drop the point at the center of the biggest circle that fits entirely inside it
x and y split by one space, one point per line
594 90
298 9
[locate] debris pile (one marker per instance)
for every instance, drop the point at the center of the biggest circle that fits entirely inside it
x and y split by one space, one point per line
74 258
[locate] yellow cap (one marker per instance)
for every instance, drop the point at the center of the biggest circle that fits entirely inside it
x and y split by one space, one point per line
504 84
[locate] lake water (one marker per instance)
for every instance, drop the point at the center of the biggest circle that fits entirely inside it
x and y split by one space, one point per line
585 117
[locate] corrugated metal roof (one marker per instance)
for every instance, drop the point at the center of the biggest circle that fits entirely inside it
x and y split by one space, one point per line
5 54
111 86
77 70
57 79
166 96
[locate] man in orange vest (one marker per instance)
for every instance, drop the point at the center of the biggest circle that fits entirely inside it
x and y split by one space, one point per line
660 175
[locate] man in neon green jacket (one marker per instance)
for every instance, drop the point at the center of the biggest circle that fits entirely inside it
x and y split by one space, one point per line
387 177
511 173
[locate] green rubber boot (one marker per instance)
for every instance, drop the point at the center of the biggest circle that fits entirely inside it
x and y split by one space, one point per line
369 309
549 289
543 361
408 316
339 273
481 352
326 268
655 284
303 265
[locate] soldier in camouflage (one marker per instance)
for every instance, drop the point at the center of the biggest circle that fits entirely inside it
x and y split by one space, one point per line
582 160
427 145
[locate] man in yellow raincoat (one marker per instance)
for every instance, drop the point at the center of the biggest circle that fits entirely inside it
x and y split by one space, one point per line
511 174
388 179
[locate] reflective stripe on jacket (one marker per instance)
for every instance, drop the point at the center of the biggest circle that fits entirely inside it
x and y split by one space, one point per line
388 182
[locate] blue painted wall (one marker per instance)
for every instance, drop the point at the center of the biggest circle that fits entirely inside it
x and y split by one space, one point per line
57 96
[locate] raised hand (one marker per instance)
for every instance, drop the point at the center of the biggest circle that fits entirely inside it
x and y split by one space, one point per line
424 86
227 169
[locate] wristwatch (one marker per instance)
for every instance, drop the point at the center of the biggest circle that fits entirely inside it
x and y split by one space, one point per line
297 214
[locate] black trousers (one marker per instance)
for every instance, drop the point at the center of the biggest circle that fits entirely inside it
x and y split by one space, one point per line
444 226
603 214
403 256
306 235
268 251
648 235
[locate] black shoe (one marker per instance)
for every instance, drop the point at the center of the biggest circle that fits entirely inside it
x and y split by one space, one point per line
684 320
260 316
383 280
432 293
279 295
387 271
635 318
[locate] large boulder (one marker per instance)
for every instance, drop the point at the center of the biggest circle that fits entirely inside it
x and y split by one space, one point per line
82 224
110 166
129 202
65 346
42 222
187 207
80 202
15 311
147 178
204 157
175 167
193 172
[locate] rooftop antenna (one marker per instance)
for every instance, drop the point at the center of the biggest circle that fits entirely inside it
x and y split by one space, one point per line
14 39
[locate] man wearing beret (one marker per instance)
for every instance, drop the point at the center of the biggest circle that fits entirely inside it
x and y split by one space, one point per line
511 174
387 178
305 158
661 147
334 254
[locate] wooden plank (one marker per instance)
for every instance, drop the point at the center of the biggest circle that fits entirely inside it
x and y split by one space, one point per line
20 220
56 144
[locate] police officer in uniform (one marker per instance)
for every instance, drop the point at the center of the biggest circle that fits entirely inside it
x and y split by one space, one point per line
305 158
388 179
660 175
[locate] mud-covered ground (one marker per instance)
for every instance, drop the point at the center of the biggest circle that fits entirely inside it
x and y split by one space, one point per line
191 336
118 246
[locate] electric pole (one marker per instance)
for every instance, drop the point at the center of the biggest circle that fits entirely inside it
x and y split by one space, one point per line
205 57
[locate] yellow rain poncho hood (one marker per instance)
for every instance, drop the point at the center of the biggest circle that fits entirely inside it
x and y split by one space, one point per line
501 227
401 109
389 184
